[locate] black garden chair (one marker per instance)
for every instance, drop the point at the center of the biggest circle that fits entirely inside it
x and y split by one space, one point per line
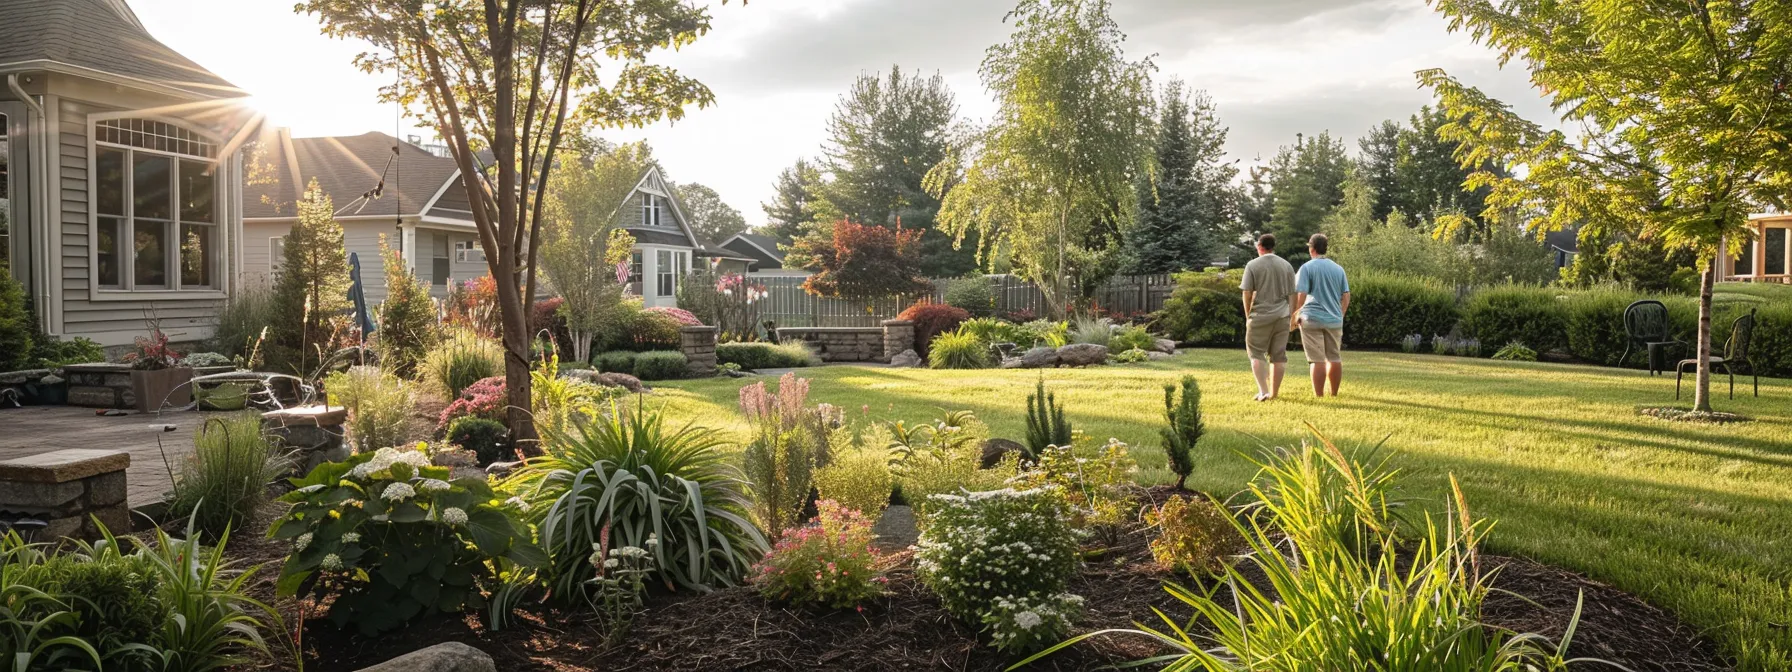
1647 327
1742 333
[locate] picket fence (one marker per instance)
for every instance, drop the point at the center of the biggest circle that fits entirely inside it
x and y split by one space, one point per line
788 305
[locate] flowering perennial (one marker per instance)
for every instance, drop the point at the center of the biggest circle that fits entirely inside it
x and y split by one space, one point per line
828 563
982 548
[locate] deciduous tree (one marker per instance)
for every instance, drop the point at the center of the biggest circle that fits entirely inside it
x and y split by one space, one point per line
577 252
864 261
712 218
314 282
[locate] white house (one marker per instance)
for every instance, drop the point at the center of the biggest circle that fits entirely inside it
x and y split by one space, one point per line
120 170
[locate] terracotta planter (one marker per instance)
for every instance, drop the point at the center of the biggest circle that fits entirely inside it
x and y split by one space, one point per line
162 388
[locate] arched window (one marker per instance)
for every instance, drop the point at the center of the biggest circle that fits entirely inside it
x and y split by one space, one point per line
155 198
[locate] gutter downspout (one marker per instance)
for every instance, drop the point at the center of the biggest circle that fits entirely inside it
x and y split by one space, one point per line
38 204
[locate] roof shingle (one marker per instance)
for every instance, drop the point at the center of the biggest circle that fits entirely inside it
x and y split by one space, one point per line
99 35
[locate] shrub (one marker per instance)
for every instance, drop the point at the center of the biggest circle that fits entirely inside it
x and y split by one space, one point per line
379 405
612 482
1385 309
972 293
619 361
830 562
1132 337
683 317
1030 623
1096 483
661 365
473 306
1045 333
858 479
15 325
114 599
407 318
787 355
51 352
991 331
313 285
1193 535
1412 343
226 480
488 398
1516 352
1595 325
931 320
781 456
1046 424
391 538
1185 428
1133 356
1772 347
204 359
1532 315
1204 309
650 329
860 261
461 359
1092 330
244 320
558 402
943 457
488 439
958 350
983 547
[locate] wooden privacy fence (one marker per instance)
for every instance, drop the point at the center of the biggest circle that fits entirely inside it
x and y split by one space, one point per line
787 304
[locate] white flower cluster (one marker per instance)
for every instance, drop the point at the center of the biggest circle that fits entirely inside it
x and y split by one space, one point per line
1027 623
331 562
985 546
384 458
434 485
398 492
454 516
301 542
351 537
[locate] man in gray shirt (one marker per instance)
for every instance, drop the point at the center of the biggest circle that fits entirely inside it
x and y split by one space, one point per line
1268 290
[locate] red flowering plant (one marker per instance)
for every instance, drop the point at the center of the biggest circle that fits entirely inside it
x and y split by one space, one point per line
486 399
830 562
151 353
474 305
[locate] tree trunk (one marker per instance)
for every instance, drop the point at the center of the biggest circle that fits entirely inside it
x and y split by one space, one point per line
1701 400
513 317
581 344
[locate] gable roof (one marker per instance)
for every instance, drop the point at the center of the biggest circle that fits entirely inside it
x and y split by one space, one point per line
762 250
652 182
104 37
348 166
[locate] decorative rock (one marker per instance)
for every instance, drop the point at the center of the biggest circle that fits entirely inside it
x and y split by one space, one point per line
1012 363
622 380
995 449
502 468
1039 358
306 416
1082 354
1156 356
314 433
907 359
1164 345
444 657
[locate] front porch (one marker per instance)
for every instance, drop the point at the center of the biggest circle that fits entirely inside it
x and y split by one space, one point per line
1767 257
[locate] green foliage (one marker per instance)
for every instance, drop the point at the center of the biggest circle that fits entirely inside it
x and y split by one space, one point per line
943 457
461 359
990 331
1595 324
244 321
1092 330
711 217
974 294
1307 181
1184 428
1204 310
791 354
226 481
1096 482
1132 337
487 438
617 361
1184 218
15 326
1046 424
580 243
798 194
661 365
1194 536
313 284
1515 352
981 548
858 479
1533 315
1385 309
51 352
558 402
1044 333
115 600
1133 356
958 350
783 452
407 318
931 320
379 406
629 474
829 563
390 538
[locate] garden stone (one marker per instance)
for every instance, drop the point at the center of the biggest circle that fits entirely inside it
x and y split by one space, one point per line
1082 354
502 468
1156 356
1039 358
69 490
1012 363
907 359
1164 345
996 449
444 657
622 380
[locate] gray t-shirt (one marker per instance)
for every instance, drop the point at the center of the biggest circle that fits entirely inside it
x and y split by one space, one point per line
1272 278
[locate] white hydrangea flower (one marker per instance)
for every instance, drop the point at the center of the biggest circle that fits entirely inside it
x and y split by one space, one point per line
300 543
398 492
315 487
362 470
435 485
454 516
351 537
1027 620
331 562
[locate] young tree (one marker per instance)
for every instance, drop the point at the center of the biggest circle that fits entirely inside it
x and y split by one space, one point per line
1307 182
578 250
1071 137
407 326
799 191
1684 118
713 219
863 261
1183 217
503 79
314 282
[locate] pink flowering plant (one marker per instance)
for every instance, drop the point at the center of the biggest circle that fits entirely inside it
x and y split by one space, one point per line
152 353
683 317
830 562
484 399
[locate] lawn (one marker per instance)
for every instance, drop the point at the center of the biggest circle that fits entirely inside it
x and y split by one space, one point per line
1693 518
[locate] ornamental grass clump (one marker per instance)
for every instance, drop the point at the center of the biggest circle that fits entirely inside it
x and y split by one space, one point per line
958 350
226 480
379 406
461 359
828 563
985 553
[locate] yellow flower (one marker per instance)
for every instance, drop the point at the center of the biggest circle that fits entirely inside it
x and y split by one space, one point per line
335 514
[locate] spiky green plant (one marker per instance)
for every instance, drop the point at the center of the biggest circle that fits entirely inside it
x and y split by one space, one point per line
1185 427
1046 424
226 480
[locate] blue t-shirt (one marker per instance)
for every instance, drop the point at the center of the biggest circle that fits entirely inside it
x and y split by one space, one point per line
1323 281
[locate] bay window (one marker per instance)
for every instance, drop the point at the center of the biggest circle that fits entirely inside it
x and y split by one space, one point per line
155 198
672 266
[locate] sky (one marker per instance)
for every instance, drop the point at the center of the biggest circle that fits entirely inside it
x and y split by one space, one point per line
1273 67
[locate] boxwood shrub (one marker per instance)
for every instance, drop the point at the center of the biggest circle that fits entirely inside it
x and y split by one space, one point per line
1385 309
1534 316
660 365
752 356
616 361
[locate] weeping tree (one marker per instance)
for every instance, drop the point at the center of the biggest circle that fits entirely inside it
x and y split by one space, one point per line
1683 116
1070 141
502 82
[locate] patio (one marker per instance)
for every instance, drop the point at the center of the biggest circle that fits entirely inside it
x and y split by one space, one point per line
41 429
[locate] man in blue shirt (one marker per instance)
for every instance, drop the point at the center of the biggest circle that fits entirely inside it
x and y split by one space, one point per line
1322 296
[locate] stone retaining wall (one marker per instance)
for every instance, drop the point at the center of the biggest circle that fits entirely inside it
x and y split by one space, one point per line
68 489
699 347
899 337
315 434
840 344
100 385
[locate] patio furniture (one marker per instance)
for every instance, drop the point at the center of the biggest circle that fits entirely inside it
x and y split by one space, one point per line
1647 327
1742 333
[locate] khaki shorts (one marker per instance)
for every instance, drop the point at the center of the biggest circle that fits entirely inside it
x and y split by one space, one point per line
1322 344
1267 339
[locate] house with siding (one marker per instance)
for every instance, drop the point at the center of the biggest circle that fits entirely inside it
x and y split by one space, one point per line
120 173
764 258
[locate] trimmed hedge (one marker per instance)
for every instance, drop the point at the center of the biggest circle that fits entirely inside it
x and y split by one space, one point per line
1204 309
1534 316
753 356
616 361
1385 309
660 365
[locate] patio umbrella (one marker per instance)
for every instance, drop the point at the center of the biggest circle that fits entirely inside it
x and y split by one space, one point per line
358 294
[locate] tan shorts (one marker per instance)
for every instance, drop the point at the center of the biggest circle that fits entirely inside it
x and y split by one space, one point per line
1322 344
1267 339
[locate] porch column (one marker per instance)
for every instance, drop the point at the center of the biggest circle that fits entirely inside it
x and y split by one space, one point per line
409 244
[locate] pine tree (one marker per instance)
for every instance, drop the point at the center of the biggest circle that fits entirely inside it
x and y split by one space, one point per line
407 326
1308 181
1183 217
314 281
799 191
15 325
1185 428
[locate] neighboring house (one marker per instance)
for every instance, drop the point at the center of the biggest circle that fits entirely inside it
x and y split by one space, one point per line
421 208
665 245
1767 257
120 169
1563 244
765 259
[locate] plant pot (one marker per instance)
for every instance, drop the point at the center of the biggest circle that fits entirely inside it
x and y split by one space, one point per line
162 388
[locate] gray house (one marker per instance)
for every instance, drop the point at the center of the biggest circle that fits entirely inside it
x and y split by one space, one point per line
120 173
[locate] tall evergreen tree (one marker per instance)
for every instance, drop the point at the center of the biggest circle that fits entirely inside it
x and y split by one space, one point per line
314 282
1380 165
795 204
1256 202
1307 181
1184 215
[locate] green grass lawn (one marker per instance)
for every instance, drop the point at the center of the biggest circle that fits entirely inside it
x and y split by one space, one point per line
1694 518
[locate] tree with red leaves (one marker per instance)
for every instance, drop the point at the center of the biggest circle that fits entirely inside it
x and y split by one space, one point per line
863 261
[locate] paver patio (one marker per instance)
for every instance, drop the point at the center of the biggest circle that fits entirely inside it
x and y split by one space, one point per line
41 429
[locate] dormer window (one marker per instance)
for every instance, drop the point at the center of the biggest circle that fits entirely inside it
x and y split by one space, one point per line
155 223
652 210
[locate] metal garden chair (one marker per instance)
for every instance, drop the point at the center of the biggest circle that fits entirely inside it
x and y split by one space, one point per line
1742 333
1647 327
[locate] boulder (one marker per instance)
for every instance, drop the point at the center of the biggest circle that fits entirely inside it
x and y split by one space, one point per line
1039 358
1012 363
996 449
501 469
1082 354
444 657
1164 345
622 380
907 359
1156 356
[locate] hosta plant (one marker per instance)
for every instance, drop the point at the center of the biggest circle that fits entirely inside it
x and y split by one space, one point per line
829 563
390 537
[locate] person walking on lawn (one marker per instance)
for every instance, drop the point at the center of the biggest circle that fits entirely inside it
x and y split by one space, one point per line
1322 296
1268 287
